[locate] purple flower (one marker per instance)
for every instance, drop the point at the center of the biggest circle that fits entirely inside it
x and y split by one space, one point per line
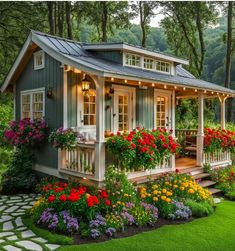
128 218
110 231
95 233
71 223
98 222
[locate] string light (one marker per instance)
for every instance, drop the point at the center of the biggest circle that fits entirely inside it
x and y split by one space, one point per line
184 88
153 84
112 79
125 81
212 92
139 82
165 86
195 90
175 87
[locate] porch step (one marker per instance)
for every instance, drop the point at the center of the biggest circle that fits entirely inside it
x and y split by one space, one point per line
193 170
206 183
200 176
214 191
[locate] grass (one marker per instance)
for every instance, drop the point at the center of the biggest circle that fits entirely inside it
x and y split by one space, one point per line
46 234
215 233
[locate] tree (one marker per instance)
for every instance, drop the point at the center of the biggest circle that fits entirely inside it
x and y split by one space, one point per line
145 10
106 15
68 20
184 24
230 50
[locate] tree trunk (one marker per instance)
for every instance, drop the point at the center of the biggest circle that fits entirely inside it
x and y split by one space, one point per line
142 24
68 20
104 21
228 57
60 17
55 17
51 17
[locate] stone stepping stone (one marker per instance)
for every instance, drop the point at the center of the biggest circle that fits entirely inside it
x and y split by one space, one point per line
11 248
31 203
29 245
4 234
26 207
5 218
1 241
39 239
13 201
21 228
19 222
12 238
27 234
21 203
52 246
8 226
11 209
17 214
2 208
15 198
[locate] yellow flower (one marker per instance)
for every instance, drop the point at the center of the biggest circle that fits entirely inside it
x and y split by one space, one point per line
143 196
163 197
182 188
154 187
155 192
126 195
164 190
168 200
168 194
155 199
175 186
167 183
191 190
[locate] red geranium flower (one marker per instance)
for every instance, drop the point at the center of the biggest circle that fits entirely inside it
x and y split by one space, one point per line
63 197
74 197
104 194
51 198
107 202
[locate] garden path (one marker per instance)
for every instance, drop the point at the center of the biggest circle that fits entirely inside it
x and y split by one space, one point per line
14 235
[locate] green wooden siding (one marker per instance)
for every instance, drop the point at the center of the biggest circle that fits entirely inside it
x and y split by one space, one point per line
145 107
51 75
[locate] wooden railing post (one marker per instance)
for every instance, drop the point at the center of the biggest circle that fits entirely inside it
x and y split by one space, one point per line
200 131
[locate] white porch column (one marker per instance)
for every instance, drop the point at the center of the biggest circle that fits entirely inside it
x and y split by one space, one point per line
65 101
222 111
200 131
100 128
172 161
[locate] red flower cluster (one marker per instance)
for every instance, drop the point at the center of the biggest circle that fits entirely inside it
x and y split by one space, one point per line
92 200
142 147
215 139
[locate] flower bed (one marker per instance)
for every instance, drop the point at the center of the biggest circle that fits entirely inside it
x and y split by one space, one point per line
217 139
119 210
141 148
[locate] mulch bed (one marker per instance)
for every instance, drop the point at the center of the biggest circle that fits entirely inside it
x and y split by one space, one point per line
129 231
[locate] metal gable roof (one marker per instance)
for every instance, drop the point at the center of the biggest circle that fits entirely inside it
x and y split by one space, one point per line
72 53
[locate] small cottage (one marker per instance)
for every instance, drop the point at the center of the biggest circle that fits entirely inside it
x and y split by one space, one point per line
102 88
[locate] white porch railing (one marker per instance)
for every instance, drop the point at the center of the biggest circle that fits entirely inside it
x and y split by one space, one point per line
217 158
79 161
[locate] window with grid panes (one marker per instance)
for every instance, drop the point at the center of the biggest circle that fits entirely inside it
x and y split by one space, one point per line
32 104
89 113
132 60
148 63
161 112
162 66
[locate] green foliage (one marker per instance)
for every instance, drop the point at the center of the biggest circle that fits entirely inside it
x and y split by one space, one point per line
118 186
18 177
200 209
231 194
5 156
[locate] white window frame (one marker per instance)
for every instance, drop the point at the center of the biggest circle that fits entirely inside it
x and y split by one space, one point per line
153 63
135 55
142 58
132 103
35 55
31 92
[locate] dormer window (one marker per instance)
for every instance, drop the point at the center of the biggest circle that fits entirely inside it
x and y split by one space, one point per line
39 60
148 63
162 66
132 60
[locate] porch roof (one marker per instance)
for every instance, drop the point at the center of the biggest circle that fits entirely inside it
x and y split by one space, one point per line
72 53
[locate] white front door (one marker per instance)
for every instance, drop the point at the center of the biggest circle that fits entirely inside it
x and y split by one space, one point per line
123 108
162 109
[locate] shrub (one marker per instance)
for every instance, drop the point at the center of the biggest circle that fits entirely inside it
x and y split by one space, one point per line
231 194
18 177
27 133
63 138
200 209
141 148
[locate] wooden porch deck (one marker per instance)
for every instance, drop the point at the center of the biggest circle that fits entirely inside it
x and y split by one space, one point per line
185 162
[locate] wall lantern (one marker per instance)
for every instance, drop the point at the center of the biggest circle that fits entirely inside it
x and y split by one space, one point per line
85 84
110 93
49 92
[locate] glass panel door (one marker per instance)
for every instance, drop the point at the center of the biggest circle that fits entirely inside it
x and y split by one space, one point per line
162 112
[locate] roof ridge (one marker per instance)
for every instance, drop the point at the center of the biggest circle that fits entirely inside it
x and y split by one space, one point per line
54 36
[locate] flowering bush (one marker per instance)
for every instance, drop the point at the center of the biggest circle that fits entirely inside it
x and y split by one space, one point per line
27 133
63 138
141 148
171 187
182 212
216 139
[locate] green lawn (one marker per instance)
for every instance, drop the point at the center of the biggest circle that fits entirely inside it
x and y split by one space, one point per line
216 232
